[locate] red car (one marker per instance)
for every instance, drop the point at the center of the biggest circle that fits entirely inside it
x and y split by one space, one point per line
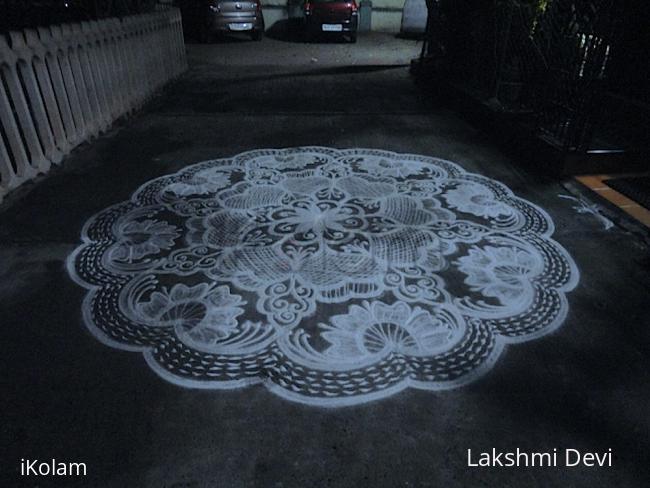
331 17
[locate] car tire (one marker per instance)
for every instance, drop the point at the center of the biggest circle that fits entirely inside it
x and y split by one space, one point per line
257 35
353 38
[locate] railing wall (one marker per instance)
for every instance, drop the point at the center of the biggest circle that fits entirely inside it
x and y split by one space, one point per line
63 85
549 62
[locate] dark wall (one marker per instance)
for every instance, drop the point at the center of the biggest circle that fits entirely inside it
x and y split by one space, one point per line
20 14
630 69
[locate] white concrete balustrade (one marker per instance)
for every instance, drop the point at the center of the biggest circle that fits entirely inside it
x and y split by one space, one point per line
65 84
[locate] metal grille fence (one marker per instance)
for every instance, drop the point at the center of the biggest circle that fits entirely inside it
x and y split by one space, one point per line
62 85
550 61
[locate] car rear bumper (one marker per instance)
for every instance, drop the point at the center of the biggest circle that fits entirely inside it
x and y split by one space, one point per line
315 24
234 23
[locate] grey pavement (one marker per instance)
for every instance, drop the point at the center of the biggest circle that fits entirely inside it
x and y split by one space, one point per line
67 396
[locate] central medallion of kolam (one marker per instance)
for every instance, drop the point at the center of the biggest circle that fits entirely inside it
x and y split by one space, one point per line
332 277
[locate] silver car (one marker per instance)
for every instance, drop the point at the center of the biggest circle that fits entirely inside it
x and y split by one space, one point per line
205 18
237 16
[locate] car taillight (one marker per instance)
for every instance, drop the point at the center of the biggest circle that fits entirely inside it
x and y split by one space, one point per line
258 6
354 7
307 8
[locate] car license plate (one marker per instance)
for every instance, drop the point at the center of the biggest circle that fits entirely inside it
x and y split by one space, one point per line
332 27
241 27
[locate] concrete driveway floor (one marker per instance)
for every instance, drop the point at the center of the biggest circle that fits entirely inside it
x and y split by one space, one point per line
67 396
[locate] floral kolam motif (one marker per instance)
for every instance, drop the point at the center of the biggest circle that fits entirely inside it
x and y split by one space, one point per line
331 277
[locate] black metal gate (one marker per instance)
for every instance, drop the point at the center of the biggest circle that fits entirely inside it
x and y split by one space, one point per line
558 63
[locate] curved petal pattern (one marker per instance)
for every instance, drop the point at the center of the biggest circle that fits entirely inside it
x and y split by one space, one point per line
332 277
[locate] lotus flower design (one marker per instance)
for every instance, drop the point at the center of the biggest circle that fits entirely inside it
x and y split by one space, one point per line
332 277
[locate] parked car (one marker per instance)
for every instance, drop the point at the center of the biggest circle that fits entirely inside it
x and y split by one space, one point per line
327 17
205 18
